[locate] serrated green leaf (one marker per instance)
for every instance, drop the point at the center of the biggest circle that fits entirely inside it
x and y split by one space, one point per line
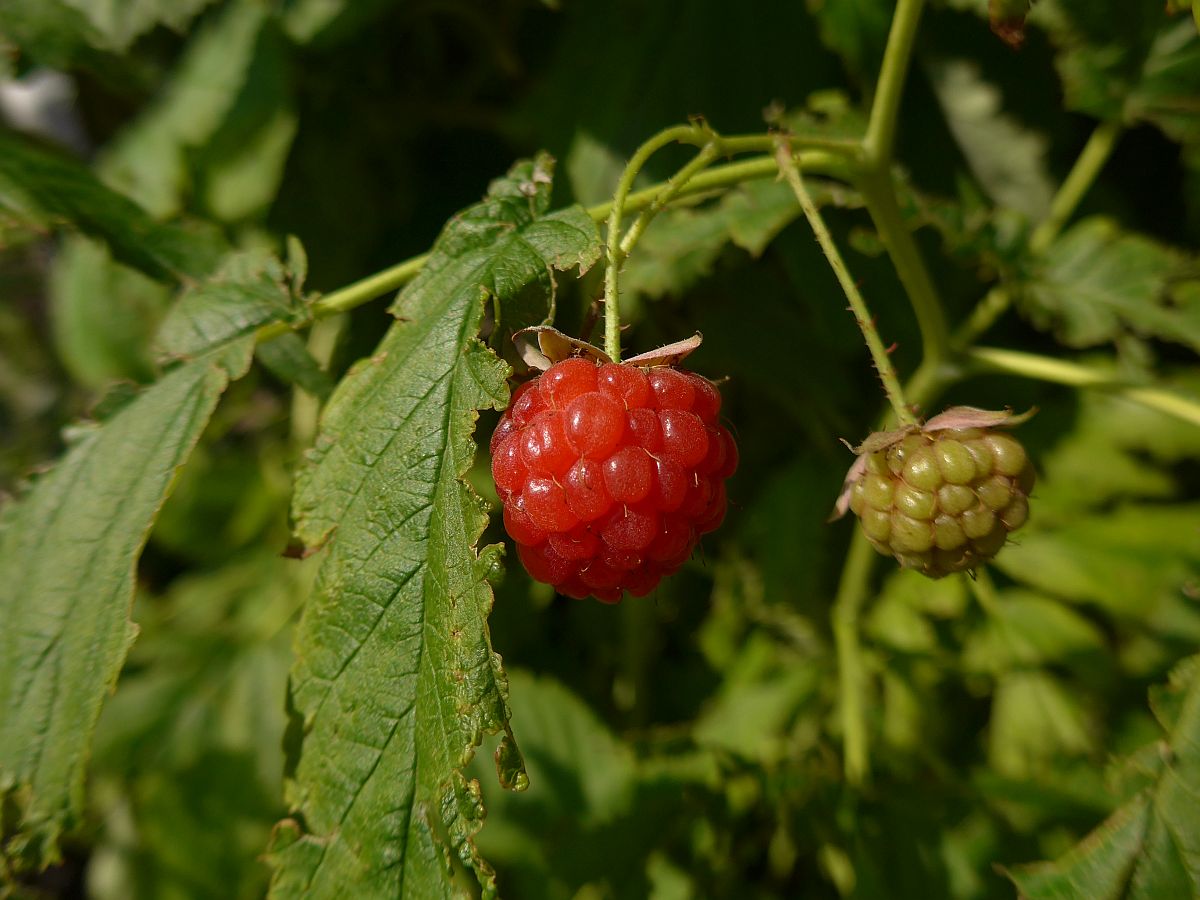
1099 282
1117 450
751 713
249 290
68 551
395 679
241 165
45 190
1127 60
1131 560
1008 159
1148 848
577 767
186 762
899 625
593 812
593 169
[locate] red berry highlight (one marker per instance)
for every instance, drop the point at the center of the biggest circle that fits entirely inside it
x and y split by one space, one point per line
610 474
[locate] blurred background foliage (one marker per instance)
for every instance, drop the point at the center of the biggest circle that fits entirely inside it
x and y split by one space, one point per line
686 745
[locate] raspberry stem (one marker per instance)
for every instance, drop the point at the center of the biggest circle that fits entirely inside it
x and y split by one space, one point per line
862 315
827 156
1061 371
618 246
881 127
688 134
852 677
1087 167
880 193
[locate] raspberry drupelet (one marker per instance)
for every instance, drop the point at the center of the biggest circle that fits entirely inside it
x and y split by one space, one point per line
610 474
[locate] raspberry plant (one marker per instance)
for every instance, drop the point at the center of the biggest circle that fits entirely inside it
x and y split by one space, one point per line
251 618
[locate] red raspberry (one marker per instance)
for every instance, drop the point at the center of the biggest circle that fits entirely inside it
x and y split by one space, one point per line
610 474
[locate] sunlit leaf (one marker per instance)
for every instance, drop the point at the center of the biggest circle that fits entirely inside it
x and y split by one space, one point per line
1026 630
248 290
208 91
105 314
1008 159
395 679
1150 847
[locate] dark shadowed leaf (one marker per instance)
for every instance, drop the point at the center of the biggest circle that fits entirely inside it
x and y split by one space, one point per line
683 245
47 190
856 30
286 357
1127 60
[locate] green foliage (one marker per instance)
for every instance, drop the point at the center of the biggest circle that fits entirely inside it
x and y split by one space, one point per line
1099 284
1147 847
1127 61
42 189
378 766
252 616
73 543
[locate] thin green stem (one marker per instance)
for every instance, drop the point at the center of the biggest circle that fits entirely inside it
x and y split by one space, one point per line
668 192
878 191
353 295
1076 185
688 134
852 677
829 160
994 304
1066 200
712 145
1060 371
825 162
885 110
862 315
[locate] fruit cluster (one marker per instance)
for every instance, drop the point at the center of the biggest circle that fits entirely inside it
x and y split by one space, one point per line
942 500
610 473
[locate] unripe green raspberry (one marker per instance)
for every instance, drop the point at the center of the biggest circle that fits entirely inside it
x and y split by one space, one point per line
942 497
